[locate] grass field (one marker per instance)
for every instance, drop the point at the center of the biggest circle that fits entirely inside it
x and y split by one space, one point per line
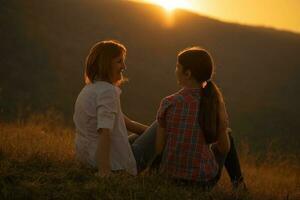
37 162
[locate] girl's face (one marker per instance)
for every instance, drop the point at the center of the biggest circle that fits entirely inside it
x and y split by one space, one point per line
180 75
117 67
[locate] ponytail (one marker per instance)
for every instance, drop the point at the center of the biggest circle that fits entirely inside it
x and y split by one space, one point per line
212 113
213 118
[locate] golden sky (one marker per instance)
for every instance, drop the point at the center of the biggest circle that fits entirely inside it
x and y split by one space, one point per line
279 14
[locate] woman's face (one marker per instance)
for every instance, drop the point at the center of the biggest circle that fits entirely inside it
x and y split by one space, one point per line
117 67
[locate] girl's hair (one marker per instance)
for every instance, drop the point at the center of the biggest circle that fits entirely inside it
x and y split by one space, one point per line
212 107
98 62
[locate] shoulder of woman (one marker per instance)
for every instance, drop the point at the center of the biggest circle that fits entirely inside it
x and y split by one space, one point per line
107 94
104 87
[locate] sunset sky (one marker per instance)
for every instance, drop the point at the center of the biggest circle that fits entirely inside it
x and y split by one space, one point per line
279 14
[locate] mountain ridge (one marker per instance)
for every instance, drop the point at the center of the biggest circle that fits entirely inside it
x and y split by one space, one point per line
45 44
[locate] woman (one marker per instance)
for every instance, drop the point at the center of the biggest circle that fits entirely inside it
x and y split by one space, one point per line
193 126
101 127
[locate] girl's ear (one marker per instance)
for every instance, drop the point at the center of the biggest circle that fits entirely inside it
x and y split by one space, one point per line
188 74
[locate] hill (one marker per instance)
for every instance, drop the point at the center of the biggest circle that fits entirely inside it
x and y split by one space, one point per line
43 166
44 45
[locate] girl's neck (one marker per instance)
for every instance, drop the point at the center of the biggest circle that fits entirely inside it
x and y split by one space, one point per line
192 84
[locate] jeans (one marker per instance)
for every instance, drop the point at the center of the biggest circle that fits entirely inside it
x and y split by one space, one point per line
143 147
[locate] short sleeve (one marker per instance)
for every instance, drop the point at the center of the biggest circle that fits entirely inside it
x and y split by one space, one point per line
162 111
107 107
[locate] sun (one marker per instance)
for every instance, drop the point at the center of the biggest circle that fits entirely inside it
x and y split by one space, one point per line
171 5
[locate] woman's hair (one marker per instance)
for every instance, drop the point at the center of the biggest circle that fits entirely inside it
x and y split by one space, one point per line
98 62
212 113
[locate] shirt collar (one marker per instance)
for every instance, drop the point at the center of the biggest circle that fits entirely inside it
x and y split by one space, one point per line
118 90
196 92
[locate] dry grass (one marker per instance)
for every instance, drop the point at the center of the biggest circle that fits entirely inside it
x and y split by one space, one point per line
37 162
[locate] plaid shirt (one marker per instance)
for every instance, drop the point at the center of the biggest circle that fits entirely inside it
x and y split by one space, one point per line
186 155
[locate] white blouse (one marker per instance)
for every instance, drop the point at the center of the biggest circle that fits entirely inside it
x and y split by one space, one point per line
98 106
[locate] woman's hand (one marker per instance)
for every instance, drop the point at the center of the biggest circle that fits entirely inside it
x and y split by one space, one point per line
134 126
103 174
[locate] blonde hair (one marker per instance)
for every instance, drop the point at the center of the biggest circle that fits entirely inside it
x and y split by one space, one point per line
98 62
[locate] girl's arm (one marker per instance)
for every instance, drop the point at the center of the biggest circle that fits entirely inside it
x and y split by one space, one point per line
103 152
160 140
134 126
223 144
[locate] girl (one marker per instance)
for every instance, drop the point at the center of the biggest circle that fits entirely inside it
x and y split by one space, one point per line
101 127
193 126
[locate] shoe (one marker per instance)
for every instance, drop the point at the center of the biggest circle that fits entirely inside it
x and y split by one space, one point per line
239 185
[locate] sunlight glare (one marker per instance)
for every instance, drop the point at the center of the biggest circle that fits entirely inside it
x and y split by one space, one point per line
171 5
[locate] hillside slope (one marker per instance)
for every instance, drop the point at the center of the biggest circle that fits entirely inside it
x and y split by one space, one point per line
44 45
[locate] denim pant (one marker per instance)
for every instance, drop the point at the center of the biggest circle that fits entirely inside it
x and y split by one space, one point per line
144 152
143 147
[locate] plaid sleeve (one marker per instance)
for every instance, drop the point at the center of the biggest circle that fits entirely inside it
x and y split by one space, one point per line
162 111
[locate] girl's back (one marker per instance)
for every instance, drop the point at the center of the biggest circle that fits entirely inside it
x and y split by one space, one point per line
192 119
186 154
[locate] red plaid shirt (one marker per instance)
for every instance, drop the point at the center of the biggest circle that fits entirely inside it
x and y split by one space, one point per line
186 155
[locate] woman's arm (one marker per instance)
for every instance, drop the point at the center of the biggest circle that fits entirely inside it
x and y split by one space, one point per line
160 140
134 126
103 152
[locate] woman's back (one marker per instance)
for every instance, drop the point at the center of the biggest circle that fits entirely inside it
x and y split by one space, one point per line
85 115
98 106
